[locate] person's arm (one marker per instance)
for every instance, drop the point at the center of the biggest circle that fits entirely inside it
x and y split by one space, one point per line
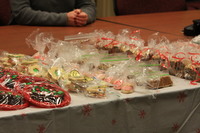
87 7
25 15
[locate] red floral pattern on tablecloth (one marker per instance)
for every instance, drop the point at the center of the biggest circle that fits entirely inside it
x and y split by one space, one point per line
114 122
175 127
127 100
181 97
41 128
23 115
142 114
86 110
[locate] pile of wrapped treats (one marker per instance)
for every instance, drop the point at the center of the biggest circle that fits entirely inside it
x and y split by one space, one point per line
93 64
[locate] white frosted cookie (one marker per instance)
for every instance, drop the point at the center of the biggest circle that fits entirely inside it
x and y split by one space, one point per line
36 70
55 72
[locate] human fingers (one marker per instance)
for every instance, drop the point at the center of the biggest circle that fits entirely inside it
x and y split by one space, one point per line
71 18
81 19
82 15
80 22
78 11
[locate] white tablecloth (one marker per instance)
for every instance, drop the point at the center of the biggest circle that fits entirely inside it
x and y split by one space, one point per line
167 110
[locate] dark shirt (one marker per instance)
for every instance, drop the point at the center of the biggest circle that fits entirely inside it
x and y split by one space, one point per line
49 12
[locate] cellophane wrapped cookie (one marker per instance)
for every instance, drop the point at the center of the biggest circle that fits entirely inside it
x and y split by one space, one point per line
76 78
131 40
82 38
156 79
90 67
159 46
106 40
115 74
135 72
96 88
178 59
17 62
192 70
116 68
128 86
9 60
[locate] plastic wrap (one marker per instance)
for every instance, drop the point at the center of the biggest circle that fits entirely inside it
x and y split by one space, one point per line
106 40
9 78
46 95
128 86
82 38
196 40
156 79
28 80
10 100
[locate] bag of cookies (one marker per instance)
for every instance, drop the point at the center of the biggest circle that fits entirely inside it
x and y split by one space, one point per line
157 79
82 38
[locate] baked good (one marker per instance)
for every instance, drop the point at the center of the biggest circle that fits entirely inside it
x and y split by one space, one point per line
118 84
55 73
165 81
28 80
75 76
198 73
37 70
15 55
95 91
127 88
29 61
46 95
10 100
73 87
9 78
5 62
146 55
103 66
180 65
190 72
156 83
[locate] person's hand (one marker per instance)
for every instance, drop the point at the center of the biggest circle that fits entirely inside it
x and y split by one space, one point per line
81 18
71 18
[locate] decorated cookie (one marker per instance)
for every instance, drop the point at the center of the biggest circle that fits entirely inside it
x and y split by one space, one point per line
36 70
15 55
10 100
118 84
29 61
76 76
8 78
95 92
46 95
55 72
15 59
5 62
28 80
1 72
127 88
